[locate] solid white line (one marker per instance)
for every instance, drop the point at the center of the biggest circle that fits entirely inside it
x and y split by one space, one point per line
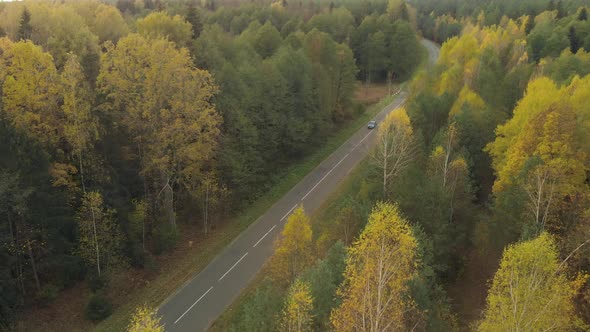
263 236
286 214
317 184
187 310
231 268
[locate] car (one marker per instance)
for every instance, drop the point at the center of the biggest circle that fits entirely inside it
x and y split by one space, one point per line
372 124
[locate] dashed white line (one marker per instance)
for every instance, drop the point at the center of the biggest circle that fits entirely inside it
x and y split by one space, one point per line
197 301
359 143
263 236
286 214
231 268
317 184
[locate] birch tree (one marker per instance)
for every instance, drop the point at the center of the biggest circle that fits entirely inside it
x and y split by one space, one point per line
100 241
530 291
378 267
294 248
297 314
396 147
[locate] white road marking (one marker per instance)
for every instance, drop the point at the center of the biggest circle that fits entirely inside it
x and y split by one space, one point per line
286 214
359 143
231 268
263 236
197 301
317 184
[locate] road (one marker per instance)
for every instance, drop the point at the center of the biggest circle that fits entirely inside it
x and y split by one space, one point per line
200 301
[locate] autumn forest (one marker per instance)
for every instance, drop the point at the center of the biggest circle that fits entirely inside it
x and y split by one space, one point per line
133 133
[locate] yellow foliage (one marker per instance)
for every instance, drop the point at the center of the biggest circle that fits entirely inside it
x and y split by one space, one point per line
30 90
165 102
398 119
467 97
530 291
160 25
144 320
297 315
62 175
378 268
294 248
545 125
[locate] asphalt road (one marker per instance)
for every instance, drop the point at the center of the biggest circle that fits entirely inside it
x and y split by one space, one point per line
201 300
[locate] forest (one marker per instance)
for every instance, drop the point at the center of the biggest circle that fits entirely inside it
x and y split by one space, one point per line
472 212
124 124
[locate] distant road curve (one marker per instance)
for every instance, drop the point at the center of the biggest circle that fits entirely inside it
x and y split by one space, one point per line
200 301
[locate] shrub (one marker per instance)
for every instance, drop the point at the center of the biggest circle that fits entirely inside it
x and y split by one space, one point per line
98 308
166 238
48 294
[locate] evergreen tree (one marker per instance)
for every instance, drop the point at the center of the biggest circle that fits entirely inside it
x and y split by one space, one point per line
193 16
25 30
583 14
574 39
561 13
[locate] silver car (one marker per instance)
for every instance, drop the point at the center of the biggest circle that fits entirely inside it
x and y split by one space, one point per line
372 124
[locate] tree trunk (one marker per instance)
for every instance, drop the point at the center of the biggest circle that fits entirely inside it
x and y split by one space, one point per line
81 172
34 266
95 239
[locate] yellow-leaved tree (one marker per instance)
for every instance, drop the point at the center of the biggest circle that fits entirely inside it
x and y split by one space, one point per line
166 105
294 248
30 86
144 320
160 25
530 291
396 147
80 124
378 268
100 240
541 150
297 314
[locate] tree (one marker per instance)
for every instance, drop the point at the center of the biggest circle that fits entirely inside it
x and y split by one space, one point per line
293 251
165 103
583 14
108 24
378 267
193 16
145 320
100 241
539 150
160 25
396 147
574 39
137 223
298 308
324 279
25 30
267 40
530 291
30 91
80 125
261 312
561 13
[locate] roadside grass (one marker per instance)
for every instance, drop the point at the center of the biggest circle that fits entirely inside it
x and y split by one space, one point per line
178 267
324 217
